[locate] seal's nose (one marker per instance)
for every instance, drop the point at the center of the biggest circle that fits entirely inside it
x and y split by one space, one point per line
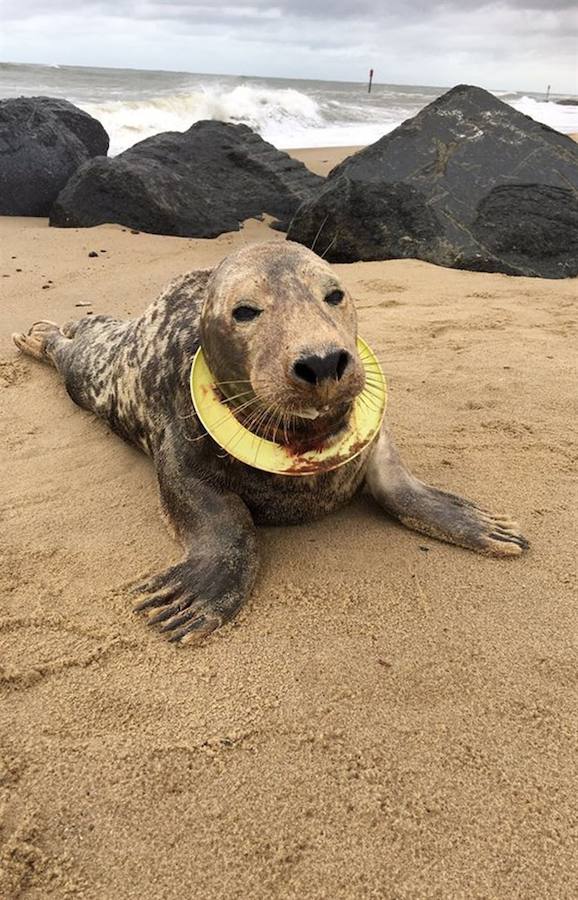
315 369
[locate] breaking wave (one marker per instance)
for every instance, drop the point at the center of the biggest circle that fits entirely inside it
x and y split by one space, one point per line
561 118
268 111
288 117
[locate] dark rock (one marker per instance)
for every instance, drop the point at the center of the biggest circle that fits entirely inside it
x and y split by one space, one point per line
469 182
567 101
199 183
43 141
93 253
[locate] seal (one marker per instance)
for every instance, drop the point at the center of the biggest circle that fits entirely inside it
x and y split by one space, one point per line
278 335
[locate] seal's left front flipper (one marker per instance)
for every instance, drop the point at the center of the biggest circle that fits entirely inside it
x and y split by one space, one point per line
438 513
214 578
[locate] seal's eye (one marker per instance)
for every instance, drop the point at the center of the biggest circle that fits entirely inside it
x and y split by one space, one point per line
334 298
246 313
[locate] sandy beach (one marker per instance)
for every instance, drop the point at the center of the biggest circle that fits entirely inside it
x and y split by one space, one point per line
389 717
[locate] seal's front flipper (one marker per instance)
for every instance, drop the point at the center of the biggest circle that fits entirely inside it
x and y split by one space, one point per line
208 587
438 513
190 600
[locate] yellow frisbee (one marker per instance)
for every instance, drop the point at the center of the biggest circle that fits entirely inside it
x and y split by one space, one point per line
226 429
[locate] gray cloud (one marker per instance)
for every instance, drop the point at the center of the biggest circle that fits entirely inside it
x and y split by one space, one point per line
259 10
501 43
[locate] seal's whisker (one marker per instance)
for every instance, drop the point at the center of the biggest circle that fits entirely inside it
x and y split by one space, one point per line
235 396
368 402
285 420
373 363
329 246
375 377
369 363
261 421
278 417
224 419
321 227
255 419
374 371
369 391
269 419
195 439
254 415
373 386
270 423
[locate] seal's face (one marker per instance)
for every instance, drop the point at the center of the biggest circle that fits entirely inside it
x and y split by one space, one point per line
279 333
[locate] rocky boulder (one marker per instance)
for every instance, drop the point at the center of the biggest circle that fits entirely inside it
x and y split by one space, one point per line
43 141
198 183
468 182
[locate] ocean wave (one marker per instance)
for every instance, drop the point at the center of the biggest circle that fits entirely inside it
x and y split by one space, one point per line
561 118
287 117
263 109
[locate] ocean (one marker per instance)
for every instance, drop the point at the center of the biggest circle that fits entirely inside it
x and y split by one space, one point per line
134 104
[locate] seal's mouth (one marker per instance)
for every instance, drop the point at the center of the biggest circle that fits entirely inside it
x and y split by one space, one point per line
285 424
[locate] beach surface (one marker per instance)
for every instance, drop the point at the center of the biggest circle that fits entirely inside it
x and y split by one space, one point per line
389 716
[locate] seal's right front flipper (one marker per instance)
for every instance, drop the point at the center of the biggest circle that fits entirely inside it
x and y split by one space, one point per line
216 575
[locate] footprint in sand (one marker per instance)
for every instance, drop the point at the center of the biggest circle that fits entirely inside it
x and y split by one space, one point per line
40 647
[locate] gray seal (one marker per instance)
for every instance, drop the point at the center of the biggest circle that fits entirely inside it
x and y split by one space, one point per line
278 329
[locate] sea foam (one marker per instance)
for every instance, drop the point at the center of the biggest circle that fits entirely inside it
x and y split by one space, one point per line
275 114
284 116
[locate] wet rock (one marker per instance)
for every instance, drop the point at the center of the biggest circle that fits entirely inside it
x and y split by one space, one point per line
43 141
468 182
199 183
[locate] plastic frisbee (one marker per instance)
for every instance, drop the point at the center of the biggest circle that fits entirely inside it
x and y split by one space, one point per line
224 427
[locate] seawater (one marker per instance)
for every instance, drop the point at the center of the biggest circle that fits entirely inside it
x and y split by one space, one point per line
134 104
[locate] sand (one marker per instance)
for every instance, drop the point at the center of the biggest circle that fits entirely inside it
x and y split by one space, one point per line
389 717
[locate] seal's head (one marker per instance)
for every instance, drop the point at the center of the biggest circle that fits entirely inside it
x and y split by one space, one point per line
279 331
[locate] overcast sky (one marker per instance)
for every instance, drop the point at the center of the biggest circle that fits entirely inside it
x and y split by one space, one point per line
512 44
